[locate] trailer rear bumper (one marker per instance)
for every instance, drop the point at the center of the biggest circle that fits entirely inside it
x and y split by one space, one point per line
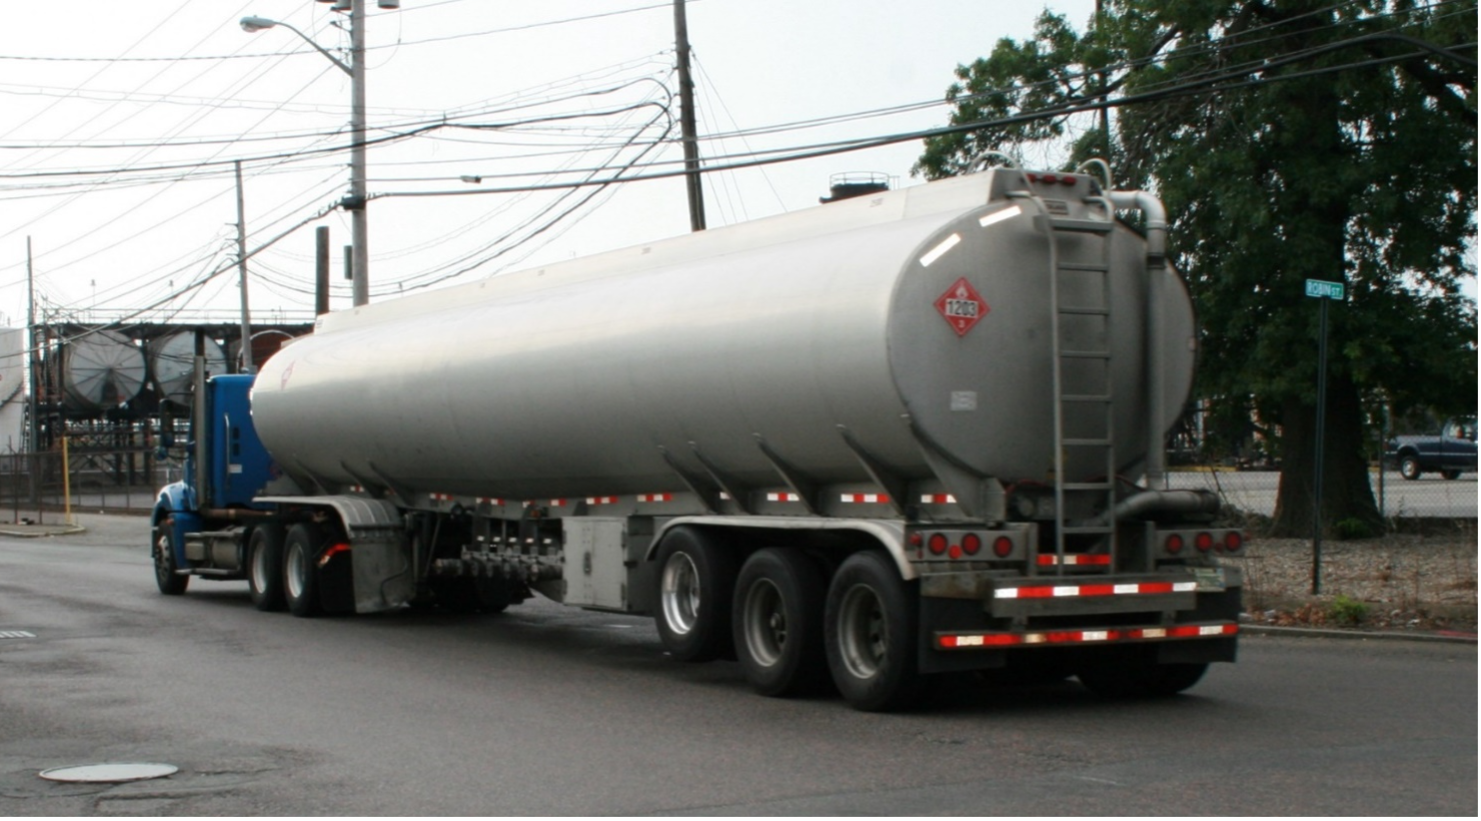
987 621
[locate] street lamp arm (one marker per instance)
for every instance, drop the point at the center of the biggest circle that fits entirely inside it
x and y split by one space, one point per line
252 25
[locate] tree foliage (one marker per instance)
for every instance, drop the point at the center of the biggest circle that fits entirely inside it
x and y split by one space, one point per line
1290 140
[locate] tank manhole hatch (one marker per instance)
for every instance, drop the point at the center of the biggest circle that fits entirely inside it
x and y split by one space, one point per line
16 634
109 773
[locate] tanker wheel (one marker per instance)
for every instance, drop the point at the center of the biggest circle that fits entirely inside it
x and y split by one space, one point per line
163 550
300 577
265 567
1450 474
1409 468
1136 674
870 634
695 583
778 622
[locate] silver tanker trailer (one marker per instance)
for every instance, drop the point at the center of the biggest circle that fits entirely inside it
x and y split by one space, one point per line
889 437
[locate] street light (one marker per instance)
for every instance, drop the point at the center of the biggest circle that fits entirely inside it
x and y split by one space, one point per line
355 202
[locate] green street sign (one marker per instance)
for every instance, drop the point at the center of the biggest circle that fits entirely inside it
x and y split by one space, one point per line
1322 289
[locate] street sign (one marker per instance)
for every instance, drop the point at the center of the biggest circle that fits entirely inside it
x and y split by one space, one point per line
1321 289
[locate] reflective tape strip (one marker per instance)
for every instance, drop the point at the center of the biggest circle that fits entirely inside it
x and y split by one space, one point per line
940 249
957 641
485 500
865 498
601 500
439 497
783 497
1081 560
1064 591
655 497
937 499
999 216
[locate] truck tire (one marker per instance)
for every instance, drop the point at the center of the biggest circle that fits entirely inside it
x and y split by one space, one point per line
870 634
1136 674
1409 467
265 567
696 578
778 622
163 550
300 576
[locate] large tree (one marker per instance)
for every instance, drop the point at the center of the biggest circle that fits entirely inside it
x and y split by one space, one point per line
1290 140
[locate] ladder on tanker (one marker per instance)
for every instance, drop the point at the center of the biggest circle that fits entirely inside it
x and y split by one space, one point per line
1084 397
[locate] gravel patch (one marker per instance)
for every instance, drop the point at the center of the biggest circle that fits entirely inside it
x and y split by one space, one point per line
1401 581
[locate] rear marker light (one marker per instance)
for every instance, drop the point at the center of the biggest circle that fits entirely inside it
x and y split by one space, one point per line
1174 544
1002 547
1204 542
956 552
331 551
1233 541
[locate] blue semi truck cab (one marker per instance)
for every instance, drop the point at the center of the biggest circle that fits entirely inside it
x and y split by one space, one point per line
201 524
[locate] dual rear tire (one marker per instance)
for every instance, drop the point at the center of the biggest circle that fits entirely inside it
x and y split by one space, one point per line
788 625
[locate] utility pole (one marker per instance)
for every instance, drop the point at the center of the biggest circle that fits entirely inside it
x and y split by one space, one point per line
33 360
247 366
321 270
359 218
1105 110
686 121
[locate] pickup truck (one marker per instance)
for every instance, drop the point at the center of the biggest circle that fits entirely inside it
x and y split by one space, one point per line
1450 454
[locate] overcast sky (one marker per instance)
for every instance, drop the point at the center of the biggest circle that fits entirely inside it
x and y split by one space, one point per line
156 98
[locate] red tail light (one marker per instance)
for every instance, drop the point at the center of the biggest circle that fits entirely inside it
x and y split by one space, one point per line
1174 544
1233 541
1204 542
937 543
1002 547
971 544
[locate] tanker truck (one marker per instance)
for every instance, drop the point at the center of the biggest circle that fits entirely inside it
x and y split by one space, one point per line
860 444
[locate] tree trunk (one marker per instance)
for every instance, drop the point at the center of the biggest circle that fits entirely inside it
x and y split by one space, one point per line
1346 491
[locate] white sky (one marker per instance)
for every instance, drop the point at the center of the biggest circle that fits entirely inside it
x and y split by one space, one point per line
159 96
166 85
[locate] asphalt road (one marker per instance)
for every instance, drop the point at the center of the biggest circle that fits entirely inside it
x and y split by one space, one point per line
548 710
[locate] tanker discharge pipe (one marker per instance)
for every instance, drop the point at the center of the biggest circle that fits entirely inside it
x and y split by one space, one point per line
1156 217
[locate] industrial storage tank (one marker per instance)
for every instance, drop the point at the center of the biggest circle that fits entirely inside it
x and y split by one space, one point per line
101 370
817 344
12 388
172 363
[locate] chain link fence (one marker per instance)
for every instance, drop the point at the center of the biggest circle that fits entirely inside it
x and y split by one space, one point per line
1431 496
38 488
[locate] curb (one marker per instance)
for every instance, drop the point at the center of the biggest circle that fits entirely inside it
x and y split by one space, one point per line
38 531
1445 637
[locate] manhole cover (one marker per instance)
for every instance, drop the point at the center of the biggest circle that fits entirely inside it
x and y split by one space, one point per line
109 773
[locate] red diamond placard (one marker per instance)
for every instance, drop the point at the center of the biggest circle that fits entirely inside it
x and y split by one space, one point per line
962 306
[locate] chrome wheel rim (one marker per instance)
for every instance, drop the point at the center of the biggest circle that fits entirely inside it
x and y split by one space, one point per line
863 636
259 568
680 593
297 568
765 622
163 561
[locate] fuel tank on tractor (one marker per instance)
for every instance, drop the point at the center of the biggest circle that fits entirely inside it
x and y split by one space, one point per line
910 323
